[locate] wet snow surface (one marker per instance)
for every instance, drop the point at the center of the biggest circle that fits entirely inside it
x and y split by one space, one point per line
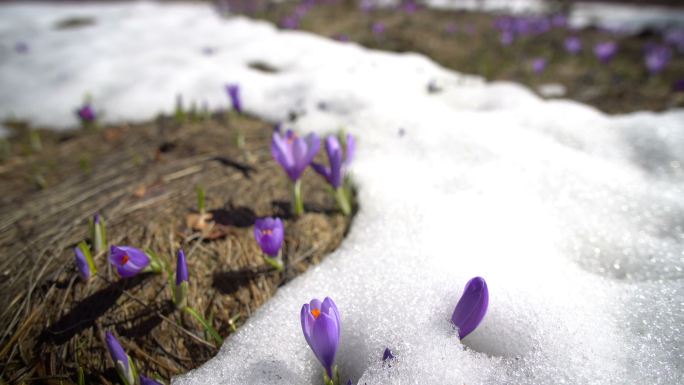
574 218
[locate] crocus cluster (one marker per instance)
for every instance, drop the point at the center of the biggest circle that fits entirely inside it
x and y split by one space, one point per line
269 234
294 154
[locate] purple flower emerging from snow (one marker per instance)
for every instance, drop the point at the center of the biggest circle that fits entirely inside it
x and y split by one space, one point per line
321 327
269 234
573 45
234 94
657 57
472 307
128 261
293 153
339 162
538 65
605 51
86 113
82 264
148 381
387 354
120 358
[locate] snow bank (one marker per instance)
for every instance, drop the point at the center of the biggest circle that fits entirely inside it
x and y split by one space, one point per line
576 219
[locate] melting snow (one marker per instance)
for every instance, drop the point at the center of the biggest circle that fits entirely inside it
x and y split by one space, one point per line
575 218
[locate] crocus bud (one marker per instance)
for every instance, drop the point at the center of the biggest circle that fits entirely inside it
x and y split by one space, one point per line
234 94
86 113
148 381
98 233
339 164
128 260
181 291
123 364
82 264
321 327
472 307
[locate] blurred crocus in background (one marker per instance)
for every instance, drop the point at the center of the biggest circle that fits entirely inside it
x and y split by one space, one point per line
294 154
538 65
507 38
472 307
321 328
124 365
338 161
269 234
378 28
181 291
605 51
86 114
657 57
233 91
572 45
128 261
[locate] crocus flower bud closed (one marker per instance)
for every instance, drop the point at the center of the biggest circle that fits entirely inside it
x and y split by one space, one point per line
82 264
121 361
269 234
86 113
472 307
234 94
128 261
294 154
181 280
321 327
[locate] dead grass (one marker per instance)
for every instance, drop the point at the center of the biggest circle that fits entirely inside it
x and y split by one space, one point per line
142 178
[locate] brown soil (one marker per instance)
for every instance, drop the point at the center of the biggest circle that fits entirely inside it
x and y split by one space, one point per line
142 178
620 87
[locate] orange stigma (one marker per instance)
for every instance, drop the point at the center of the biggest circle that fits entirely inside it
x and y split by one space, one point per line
266 232
315 313
125 259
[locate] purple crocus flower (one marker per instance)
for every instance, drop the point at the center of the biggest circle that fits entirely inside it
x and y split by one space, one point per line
120 358
507 38
321 327
657 57
451 28
128 261
82 264
290 22
293 153
538 65
472 307
148 381
181 268
378 28
573 45
86 113
269 233
234 94
605 51
335 173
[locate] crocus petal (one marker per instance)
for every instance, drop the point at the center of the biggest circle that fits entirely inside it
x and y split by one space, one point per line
82 264
350 150
148 381
472 306
307 322
299 154
282 152
321 170
313 144
324 341
181 268
116 350
328 307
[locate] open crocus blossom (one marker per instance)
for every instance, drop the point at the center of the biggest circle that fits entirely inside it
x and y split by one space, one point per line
181 291
321 327
269 234
124 366
294 154
128 261
234 94
472 307
339 163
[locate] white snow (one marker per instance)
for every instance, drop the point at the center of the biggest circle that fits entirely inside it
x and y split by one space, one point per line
574 218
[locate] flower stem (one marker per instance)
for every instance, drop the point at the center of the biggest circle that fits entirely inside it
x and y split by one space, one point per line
297 202
342 201
276 263
210 329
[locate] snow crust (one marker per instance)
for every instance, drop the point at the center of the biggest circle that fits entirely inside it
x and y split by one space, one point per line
574 218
